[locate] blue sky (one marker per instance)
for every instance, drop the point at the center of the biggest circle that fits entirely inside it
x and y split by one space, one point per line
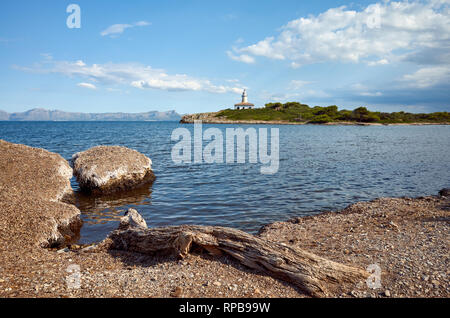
197 56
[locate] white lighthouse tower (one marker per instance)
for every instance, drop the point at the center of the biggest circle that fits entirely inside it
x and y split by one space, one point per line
244 96
244 104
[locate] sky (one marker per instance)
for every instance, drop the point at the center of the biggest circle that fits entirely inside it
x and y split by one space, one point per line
198 56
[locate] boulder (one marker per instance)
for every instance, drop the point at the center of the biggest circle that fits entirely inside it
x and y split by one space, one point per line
34 186
445 192
108 169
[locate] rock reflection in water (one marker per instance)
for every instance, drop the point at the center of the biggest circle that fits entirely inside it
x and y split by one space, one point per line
100 209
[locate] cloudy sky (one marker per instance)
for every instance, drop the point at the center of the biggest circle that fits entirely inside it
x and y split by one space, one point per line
196 56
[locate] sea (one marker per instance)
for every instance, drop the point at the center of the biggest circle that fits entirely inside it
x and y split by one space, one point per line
321 168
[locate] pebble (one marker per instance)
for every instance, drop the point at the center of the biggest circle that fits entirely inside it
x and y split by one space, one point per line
63 250
177 292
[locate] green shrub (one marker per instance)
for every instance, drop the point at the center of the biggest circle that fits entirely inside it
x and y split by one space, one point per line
321 119
297 112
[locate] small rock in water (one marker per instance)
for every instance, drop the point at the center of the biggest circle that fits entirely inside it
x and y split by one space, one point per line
132 219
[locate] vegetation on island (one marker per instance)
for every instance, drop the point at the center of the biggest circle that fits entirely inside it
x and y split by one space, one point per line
297 112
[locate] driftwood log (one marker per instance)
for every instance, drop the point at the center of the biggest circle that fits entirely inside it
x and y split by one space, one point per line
313 274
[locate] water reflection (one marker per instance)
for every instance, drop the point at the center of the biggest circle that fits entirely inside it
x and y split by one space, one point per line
100 209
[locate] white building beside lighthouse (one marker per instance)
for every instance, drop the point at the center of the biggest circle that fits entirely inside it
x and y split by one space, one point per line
244 104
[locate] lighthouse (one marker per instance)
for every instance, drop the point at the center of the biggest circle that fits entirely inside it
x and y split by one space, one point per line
244 104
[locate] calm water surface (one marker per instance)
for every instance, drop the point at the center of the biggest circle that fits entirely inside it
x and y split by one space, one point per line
321 168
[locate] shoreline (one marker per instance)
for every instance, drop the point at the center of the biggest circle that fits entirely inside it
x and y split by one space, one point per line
407 237
209 118
246 122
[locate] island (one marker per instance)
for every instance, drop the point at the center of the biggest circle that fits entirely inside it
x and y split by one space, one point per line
297 113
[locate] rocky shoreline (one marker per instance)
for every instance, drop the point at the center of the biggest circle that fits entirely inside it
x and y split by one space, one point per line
210 118
407 238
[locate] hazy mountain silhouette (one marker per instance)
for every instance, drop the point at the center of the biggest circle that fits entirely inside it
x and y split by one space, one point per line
38 114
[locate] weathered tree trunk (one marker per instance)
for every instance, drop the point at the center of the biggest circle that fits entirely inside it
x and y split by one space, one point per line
314 275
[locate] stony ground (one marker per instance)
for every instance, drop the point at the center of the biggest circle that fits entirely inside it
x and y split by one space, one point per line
407 238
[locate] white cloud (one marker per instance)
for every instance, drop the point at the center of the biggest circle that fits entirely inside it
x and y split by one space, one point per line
116 29
362 90
87 85
379 62
129 74
241 58
373 35
359 87
47 56
279 97
265 48
294 96
297 84
428 76
142 23
369 94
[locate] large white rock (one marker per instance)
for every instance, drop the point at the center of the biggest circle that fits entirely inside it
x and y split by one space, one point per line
106 169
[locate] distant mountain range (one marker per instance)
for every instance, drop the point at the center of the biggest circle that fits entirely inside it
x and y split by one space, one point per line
38 114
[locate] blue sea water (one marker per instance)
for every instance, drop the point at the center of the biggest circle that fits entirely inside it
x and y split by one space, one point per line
321 168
